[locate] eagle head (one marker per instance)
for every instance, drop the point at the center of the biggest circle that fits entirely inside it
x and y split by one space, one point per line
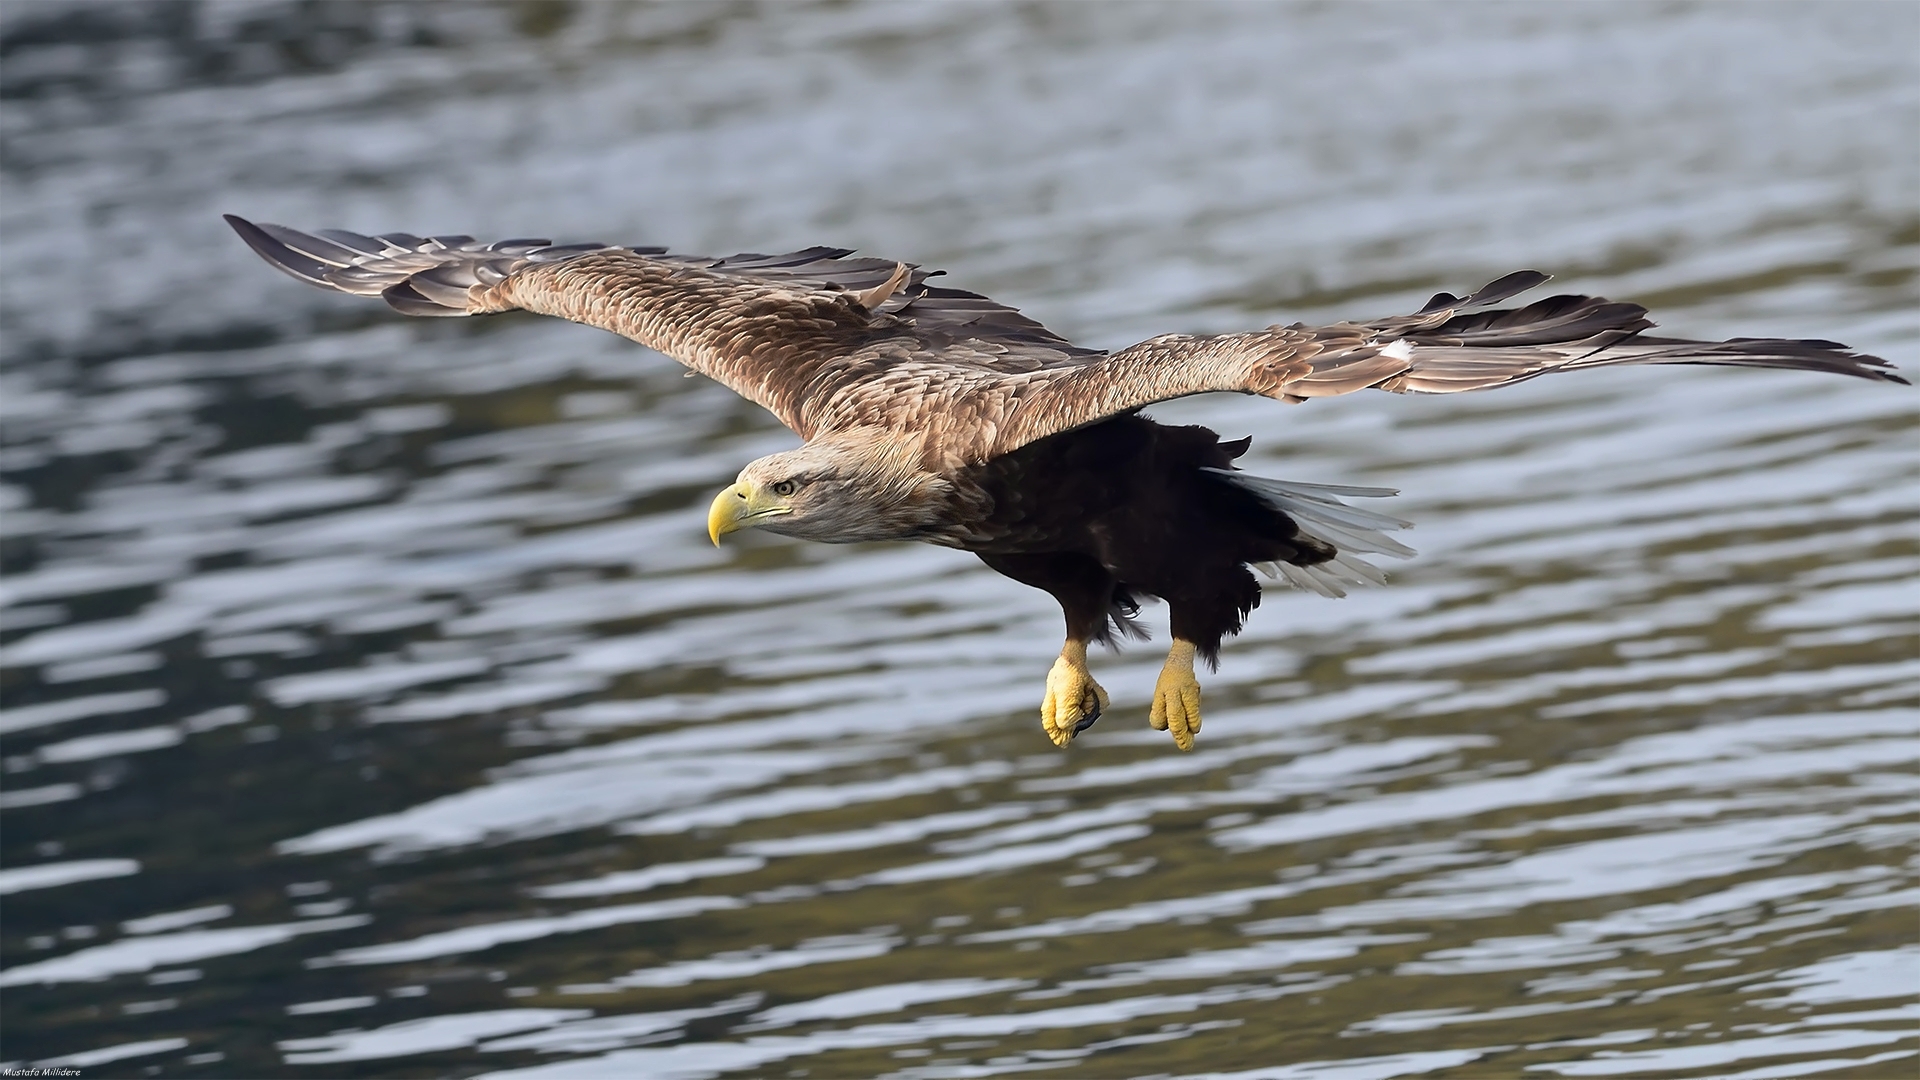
838 489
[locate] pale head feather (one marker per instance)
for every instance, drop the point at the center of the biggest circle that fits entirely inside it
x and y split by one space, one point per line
852 486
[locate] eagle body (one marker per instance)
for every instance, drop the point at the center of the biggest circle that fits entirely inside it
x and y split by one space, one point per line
937 415
1106 514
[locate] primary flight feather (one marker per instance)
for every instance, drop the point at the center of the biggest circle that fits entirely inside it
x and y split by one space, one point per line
939 415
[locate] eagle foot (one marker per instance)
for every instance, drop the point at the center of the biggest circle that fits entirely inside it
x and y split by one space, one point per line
1073 700
1176 697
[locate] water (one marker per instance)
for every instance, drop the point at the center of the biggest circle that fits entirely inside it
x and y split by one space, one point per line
376 706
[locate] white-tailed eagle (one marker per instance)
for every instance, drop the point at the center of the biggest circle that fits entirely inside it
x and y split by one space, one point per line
939 415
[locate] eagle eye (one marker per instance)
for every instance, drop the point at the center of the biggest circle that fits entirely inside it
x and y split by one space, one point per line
785 488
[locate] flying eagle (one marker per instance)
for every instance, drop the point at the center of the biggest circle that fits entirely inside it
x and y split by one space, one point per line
939 415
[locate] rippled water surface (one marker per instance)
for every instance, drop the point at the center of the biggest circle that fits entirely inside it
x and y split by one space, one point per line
374 704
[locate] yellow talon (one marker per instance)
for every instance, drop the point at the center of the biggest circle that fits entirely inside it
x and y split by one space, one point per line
1176 697
1073 699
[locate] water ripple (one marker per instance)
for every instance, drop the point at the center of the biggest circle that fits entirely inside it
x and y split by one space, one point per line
372 672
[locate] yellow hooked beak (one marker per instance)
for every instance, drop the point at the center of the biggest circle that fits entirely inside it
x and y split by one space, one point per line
741 506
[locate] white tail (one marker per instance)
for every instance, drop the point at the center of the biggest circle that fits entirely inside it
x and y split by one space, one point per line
1320 514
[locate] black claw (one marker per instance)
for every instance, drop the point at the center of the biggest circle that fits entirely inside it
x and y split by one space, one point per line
1087 720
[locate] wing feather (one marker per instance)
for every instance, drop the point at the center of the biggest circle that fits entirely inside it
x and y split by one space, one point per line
1453 344
792 332
826 341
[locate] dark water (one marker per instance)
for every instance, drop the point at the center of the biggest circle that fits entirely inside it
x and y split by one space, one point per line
374 704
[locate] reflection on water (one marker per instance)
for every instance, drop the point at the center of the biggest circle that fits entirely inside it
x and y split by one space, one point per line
374 702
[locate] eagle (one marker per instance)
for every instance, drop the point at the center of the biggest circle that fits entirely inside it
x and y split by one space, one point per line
938 415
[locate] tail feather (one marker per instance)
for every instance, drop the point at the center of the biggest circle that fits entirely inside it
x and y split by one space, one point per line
1319 515
1302 578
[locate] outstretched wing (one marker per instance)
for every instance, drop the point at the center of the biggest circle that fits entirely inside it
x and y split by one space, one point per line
788 332
826 342
1453 344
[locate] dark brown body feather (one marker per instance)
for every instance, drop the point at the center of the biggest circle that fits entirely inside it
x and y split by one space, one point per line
1105 514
